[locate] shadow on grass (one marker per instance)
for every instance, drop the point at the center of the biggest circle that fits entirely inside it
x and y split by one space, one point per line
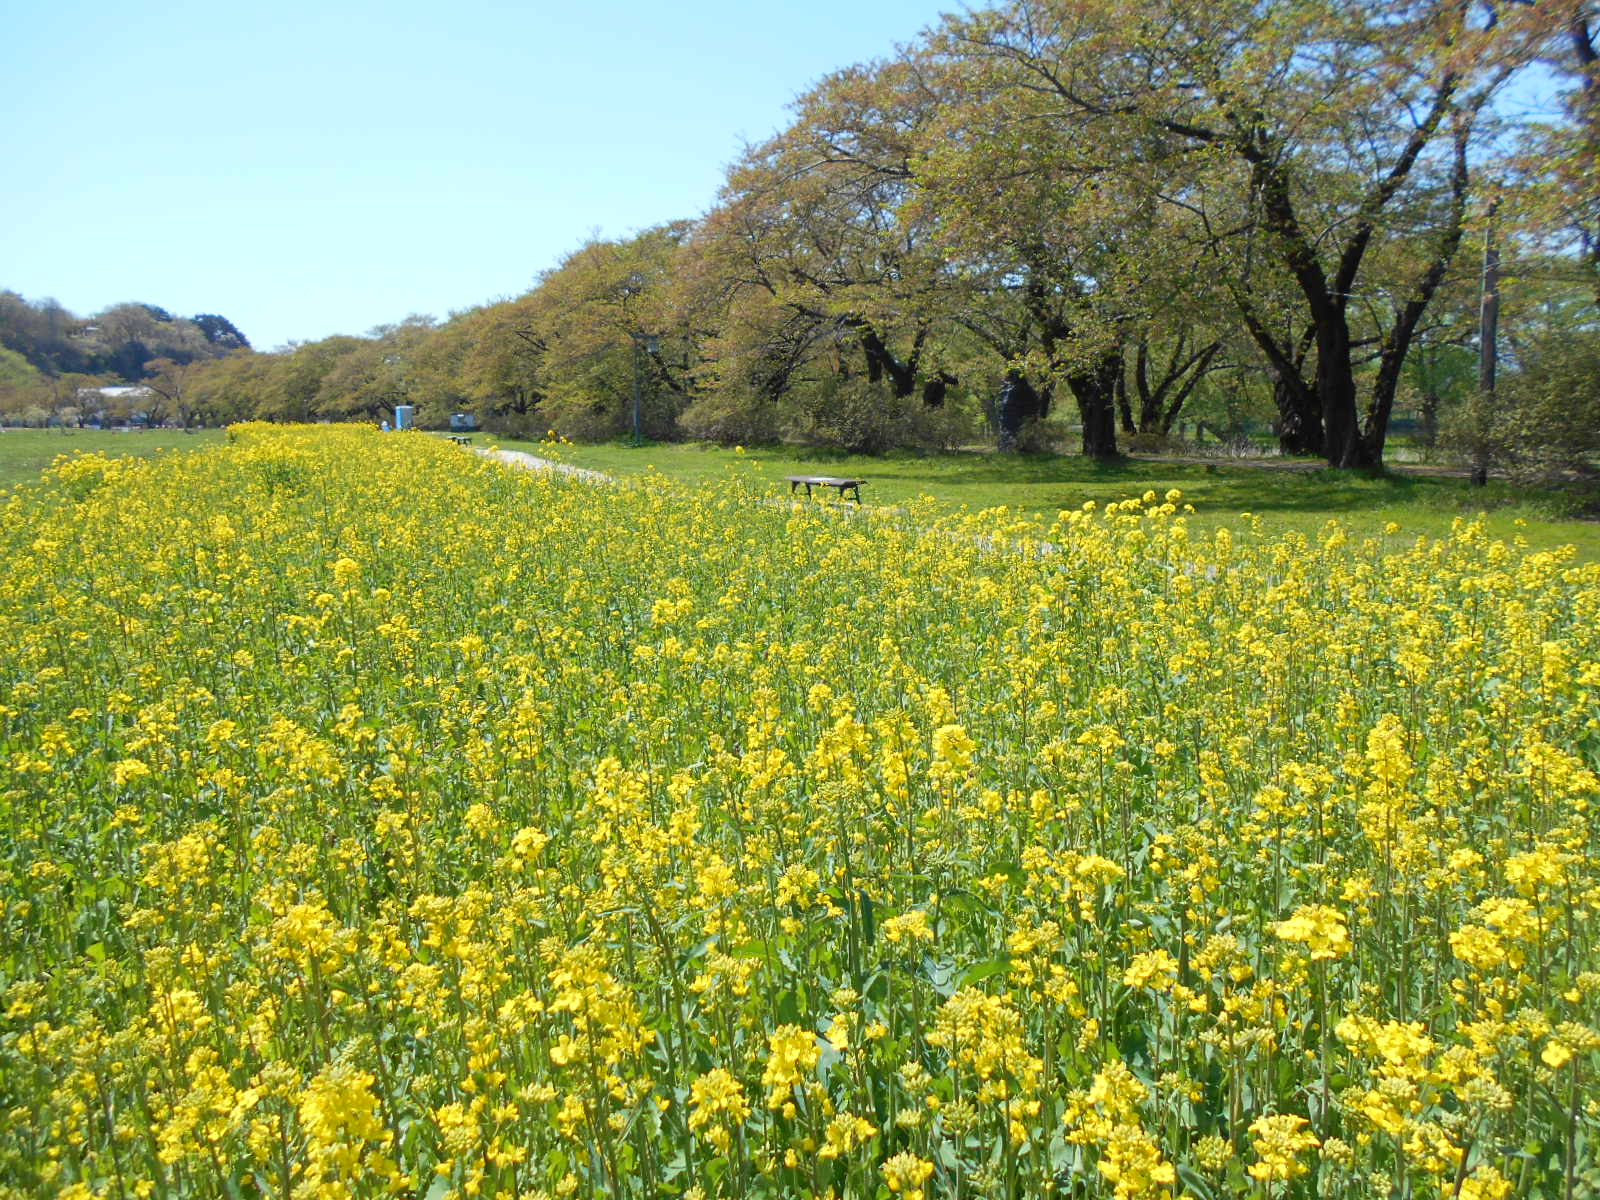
976 467
1232 488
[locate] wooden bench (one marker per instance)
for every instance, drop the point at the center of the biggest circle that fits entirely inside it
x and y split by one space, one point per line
459 440
833 481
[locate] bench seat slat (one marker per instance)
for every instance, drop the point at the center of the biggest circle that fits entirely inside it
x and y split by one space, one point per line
834 481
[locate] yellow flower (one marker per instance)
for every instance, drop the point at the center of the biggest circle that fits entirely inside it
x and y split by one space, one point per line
1556 1054
793 1056
1538 871
128 770
844 1133
1478 947
339 1114
908 927
1134 1165
1387 756
1213 1153
953 748
1155 969
1278 1142
1318 926
717 1106
1485 1183
905 1174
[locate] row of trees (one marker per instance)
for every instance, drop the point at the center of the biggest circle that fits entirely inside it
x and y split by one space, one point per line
1113 209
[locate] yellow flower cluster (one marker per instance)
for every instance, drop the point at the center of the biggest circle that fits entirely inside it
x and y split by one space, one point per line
717 1107
1322 929
380 821
905 1174
794 1056
1279 1141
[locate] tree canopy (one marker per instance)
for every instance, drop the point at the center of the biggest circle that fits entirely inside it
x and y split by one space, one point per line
1108 211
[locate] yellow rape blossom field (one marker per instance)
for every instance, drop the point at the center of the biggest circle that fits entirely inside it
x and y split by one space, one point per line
380 821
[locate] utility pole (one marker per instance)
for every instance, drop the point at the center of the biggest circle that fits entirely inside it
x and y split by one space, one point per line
642 343
1488 331
636 389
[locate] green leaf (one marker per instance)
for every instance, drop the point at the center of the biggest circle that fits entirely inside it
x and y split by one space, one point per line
978 972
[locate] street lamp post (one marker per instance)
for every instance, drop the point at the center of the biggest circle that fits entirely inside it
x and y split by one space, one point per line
648 343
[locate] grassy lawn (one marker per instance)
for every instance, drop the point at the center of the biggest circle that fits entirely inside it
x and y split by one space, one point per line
26 452
1042 485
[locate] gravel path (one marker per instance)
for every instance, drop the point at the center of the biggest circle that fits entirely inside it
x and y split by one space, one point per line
532 462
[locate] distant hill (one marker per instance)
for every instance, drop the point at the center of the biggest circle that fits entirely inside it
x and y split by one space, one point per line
118 342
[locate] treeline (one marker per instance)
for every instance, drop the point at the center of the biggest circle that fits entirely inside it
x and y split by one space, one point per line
1118 214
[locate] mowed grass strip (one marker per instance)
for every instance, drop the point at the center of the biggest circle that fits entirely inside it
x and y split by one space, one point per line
1284 498
26 452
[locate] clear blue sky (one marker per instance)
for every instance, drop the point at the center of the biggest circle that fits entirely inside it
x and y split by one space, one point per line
315 168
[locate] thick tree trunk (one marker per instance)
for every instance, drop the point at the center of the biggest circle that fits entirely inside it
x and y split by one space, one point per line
1336 393
1299 416
1326 298
1124 407
936 388
1095 389
1018 404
